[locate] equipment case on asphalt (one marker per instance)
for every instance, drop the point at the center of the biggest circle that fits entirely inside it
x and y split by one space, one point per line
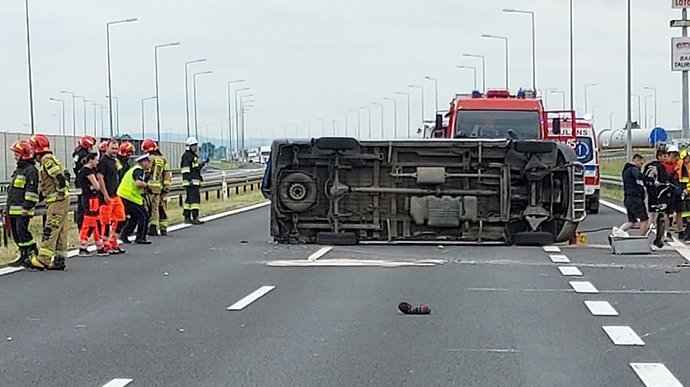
629 245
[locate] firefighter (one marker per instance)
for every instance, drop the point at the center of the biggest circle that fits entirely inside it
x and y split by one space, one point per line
83 149
112 211
22 196
53 187
159 183
102 148
123 154
191 180
130 190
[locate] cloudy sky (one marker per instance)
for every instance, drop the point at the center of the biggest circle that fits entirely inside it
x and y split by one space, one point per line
309 59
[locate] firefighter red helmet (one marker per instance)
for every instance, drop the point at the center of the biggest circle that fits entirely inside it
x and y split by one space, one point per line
126 149
103 146
87 141
149 145
23 149
40 143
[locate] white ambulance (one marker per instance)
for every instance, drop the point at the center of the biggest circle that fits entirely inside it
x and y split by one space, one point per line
588 155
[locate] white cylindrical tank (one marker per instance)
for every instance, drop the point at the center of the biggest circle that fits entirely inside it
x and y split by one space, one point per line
613 139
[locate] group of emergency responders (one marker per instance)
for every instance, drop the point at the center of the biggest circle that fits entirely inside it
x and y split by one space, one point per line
664 183
115 198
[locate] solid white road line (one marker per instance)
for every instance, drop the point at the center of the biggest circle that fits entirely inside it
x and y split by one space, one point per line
570 271
583 287
552 249
355 263
559 259
177 227
655 375
118 383
623 335
10 270
258 293
323 251
601 308
613 206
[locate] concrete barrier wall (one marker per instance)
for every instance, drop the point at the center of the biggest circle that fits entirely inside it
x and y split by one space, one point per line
63 146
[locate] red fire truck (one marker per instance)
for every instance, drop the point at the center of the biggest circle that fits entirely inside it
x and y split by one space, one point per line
499 114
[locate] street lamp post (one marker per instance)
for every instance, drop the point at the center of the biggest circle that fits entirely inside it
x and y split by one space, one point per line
611 120
562 93
639 109
628 123
421 90
395 116
483 58
28 59
237 115
74 110
59 120
380 105
505 40
409 130
368 109
158 108
359 123
435 91
186 91
143 120
84 105
82 98
229 89
110 82
242 106
62 102
653 89
646 114
117 113
474 72
196 120
534 44
587 86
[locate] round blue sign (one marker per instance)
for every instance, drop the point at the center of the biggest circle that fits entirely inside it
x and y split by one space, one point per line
657 135
582 150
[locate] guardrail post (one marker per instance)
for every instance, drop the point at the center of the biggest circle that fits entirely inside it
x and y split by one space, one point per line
225 186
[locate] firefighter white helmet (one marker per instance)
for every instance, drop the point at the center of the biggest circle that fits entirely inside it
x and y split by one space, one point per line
191 141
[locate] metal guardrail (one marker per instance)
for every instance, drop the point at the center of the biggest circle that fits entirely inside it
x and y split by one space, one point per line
221 184
612 182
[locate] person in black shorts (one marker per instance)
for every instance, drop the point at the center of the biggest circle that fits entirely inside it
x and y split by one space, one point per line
633 186
659 192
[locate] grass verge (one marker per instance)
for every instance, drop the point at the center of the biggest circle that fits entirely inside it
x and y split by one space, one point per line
210 207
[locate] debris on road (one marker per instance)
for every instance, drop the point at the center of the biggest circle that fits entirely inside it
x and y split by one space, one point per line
406 308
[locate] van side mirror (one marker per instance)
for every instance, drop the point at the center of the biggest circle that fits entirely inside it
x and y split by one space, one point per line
439 121
556 126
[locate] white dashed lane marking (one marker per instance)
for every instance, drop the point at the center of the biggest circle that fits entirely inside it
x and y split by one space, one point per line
118 383
601 308
570 271
655 375
583 287
323 251
552 249
258 293
559 259
623 335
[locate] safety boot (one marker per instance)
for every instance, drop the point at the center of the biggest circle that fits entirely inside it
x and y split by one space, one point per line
164 232
153 230
19 261
195 218
57 264
32 262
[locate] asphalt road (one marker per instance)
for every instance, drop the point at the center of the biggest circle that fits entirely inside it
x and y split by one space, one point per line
500 316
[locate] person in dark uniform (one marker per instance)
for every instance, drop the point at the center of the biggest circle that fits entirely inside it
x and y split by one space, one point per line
83 149
130 191
659 193
191 180
22 197
634 189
